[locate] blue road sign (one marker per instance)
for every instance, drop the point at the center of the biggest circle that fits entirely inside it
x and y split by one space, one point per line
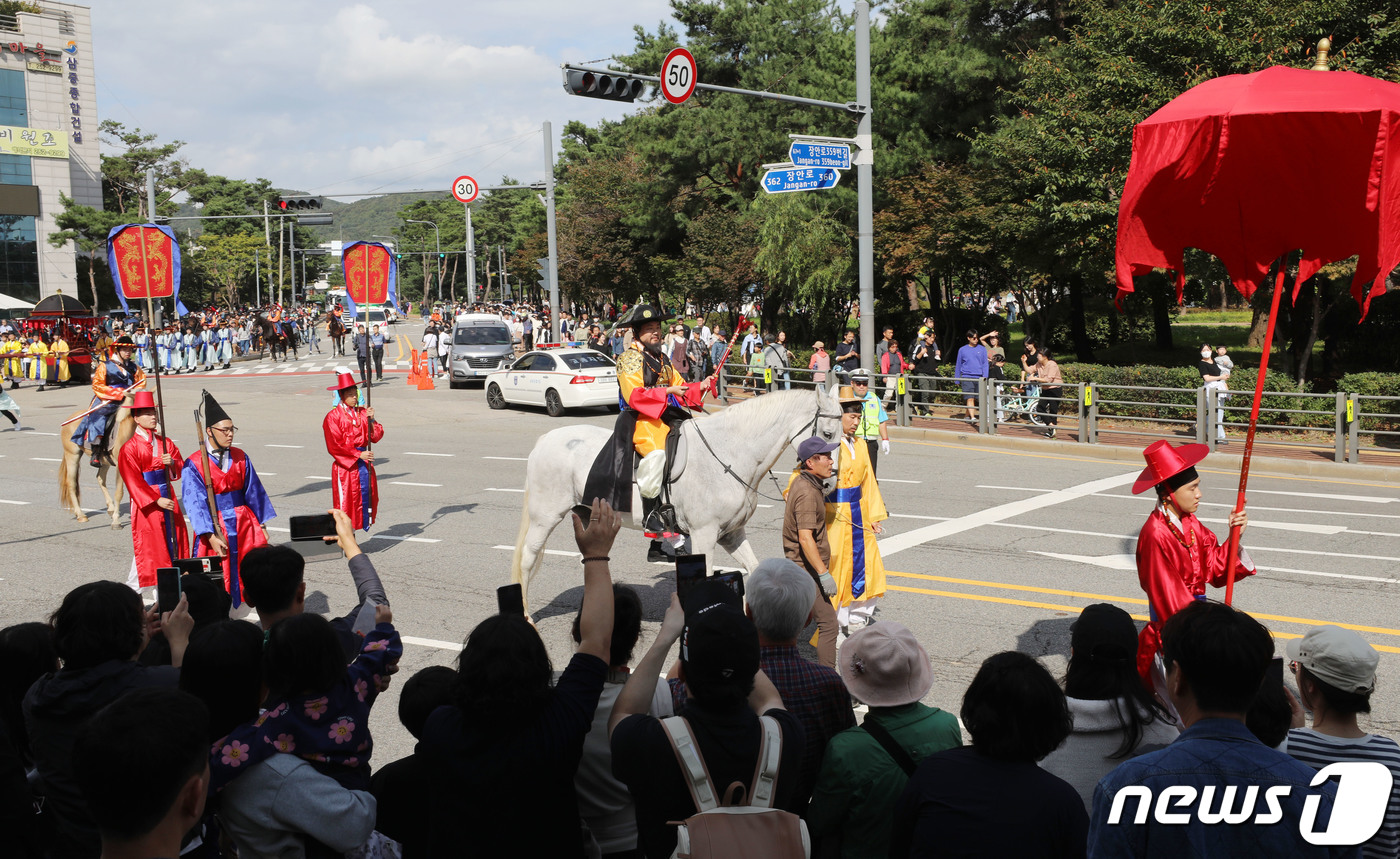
809 153
786 179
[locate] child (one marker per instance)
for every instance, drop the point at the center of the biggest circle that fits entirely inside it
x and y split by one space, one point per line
319 707
996 375
1225 363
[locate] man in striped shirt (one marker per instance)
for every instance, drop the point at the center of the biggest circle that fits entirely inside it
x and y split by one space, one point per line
1336 672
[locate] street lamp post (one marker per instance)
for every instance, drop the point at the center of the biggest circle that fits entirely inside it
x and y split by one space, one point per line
438 239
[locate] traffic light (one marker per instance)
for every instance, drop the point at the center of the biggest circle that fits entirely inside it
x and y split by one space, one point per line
594 85
315 220
298 203
543 266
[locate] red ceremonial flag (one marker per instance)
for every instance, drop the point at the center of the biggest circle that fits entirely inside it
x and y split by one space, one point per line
369 274
146 261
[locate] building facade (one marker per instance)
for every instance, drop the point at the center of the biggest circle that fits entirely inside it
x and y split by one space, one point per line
48 144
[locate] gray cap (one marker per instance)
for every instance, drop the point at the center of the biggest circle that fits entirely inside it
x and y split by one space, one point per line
1338 657
810 447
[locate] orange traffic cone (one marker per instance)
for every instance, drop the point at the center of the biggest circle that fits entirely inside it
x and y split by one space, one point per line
425 379
413 369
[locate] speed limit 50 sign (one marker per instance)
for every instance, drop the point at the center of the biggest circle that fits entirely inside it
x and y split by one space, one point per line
678 76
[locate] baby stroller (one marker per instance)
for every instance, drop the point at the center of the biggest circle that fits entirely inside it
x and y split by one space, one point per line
1018 402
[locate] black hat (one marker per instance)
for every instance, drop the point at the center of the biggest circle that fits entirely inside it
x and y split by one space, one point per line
720 645
213 412
123 341
1105 634
640 314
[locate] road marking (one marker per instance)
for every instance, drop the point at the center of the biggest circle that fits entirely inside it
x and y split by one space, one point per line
509 458
267 474
44 459
1372 533
7 501
494 489
291 446
1370 499
1232 474
1031 489
1286 526
402 539
1273 509
406 483
559 552
430 642
1129 600
274 528
1128 563
764 505
417 453
317 477
893 480
36 432
992 515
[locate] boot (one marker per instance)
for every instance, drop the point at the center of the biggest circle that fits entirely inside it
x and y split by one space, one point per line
656 555
96 460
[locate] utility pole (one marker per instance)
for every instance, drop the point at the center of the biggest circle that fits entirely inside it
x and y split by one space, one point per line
865 206
257 279
554 312
471 257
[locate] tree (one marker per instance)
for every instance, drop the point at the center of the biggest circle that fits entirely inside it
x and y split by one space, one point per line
226 261
87 227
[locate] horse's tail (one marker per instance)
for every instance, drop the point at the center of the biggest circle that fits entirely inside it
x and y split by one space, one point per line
517 575
70 491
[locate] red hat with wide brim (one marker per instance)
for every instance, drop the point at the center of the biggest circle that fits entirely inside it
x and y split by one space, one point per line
346 380
1165 462
143 400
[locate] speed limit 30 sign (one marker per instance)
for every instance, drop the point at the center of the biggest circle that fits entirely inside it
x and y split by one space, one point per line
465 189
678 76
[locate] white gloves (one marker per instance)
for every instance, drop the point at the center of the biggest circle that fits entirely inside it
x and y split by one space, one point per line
885 446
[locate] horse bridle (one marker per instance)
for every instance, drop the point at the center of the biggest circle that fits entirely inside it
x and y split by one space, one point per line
817 415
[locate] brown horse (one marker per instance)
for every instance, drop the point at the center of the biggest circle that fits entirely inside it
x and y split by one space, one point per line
337 330
274 340
70 487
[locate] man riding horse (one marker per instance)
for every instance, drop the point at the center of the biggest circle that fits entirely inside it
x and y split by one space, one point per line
111 380
654 400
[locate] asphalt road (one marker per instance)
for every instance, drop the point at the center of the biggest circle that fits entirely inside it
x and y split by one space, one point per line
988 549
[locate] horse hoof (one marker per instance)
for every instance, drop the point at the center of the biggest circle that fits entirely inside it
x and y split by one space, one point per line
81 518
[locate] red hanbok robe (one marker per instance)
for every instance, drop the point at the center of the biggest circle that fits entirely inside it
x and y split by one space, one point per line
1174 566
158 536
243 506
354 488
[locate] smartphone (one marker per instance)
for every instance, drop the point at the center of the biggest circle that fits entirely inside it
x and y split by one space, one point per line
510 600
690 571
1275 672
734 580
312 527
167 588
584 513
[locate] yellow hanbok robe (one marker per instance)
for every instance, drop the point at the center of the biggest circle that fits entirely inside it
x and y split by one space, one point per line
39 365
650 403
851 509
60 352
9 359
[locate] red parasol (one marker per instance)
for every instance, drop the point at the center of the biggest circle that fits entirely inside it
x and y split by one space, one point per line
1232 167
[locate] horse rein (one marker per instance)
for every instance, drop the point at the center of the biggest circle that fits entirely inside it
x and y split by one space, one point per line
729 470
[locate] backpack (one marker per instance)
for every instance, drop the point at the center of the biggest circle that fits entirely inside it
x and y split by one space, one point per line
727 829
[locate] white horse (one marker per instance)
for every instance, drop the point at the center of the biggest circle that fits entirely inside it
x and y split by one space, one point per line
729 456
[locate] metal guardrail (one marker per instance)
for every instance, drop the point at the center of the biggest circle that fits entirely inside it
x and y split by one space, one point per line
1215 416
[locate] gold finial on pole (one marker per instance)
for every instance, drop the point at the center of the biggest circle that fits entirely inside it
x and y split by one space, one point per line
1324 47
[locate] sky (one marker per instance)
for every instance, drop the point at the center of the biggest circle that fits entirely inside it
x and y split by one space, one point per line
353 98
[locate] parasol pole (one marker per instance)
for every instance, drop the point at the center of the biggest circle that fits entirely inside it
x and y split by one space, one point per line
369 352
714 385
1233 552
155 373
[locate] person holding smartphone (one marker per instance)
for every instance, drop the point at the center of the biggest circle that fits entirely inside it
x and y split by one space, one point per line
804 536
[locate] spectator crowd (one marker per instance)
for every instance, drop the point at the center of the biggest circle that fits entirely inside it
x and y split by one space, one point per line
130 732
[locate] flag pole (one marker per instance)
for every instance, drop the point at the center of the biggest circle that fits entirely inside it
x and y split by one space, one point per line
1233 551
